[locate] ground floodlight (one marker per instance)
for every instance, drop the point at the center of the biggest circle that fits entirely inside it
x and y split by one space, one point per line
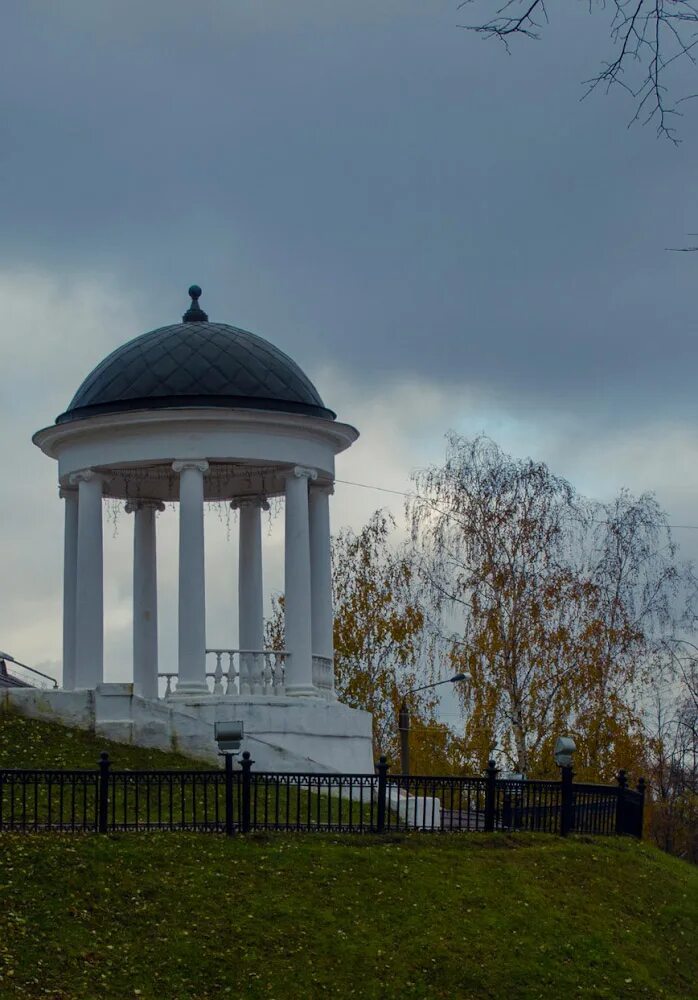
564 748
228 736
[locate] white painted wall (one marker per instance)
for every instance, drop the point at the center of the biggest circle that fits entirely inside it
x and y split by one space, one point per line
283 734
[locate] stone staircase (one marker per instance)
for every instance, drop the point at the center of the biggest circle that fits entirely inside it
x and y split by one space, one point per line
8 680
19 675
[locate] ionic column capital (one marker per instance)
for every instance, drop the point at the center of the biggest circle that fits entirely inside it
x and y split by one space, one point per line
85 476
258 501
302 472
326 488
131 506
66 492
200 464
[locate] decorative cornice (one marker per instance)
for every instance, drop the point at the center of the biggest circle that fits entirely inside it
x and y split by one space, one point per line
131 506
257 501
301 472
84 476
201 465
52 440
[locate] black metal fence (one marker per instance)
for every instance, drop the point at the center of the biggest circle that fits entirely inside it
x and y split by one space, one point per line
232 800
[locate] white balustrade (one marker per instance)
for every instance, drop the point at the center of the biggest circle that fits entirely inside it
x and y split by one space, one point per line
236 671
169 689
323 674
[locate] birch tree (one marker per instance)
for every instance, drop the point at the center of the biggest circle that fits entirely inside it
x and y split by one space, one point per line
555 607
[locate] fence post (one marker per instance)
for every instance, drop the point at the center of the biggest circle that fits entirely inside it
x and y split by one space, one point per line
246 765
229 828
382 768
620 804
490 795
567 801
103 792
641 810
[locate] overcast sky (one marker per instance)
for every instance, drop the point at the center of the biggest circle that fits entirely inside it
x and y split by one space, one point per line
442 236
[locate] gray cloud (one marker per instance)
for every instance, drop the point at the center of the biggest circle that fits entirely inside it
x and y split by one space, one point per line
441 235
374 187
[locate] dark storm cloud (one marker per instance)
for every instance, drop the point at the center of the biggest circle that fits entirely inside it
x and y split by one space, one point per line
371 187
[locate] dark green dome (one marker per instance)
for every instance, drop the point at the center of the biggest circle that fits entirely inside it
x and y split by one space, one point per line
196 363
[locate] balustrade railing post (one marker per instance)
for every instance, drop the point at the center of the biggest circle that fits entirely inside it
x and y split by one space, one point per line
229 824
490 796
218 674
103 792
620 802
567 801
246 765
641 810
382 769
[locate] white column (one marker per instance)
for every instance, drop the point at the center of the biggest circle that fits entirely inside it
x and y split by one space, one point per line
250 593
192 584
299 668
89 584
145 596
321 575
70 569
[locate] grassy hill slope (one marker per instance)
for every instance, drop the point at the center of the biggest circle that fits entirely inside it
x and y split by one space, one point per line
193 917
33 743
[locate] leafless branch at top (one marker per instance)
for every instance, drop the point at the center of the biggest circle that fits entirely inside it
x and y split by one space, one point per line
648 37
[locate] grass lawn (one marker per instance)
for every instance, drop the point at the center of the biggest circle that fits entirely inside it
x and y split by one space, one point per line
32 743
172 916
175 916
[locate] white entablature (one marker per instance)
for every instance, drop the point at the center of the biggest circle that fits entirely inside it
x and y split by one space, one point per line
249 451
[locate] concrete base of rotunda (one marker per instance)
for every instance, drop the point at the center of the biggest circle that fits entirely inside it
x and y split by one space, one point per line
281 733
296 734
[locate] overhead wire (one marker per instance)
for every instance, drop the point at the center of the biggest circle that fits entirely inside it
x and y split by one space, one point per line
403 493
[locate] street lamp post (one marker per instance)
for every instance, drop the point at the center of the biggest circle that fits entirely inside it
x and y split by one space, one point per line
404 719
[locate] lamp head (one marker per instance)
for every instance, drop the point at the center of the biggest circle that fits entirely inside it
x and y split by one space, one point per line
228 736
564 748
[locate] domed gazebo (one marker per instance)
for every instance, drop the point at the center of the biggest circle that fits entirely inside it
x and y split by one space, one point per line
194 412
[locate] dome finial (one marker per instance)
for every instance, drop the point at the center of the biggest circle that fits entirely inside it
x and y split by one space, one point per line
195 313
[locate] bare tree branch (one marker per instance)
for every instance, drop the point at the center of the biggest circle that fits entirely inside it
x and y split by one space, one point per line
649 37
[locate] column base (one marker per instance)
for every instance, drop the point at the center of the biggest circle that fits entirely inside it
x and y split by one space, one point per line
185 689
302 691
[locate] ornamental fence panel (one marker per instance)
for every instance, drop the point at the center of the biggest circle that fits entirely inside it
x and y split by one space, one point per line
171 800
534 806
232 800
338 803
43 799
595 808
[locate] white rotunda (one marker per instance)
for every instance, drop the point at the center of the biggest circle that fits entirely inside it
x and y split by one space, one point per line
196 412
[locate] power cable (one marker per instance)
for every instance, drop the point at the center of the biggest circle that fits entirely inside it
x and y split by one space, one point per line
416 496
